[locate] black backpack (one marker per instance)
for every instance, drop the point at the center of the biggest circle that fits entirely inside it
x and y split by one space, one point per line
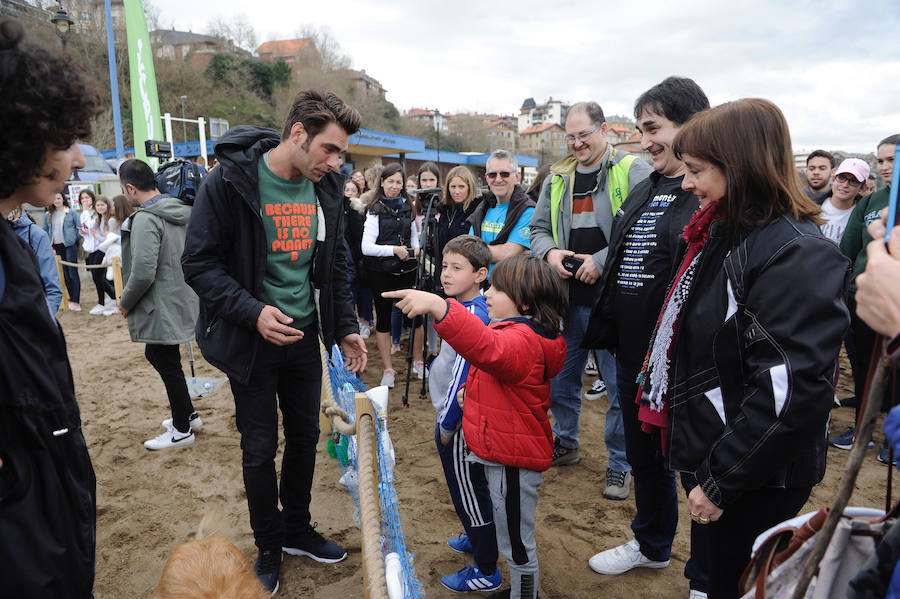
180 179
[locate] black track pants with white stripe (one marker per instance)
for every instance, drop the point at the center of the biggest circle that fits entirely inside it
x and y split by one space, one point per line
471 499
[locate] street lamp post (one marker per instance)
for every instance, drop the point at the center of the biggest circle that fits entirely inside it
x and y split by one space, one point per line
63 24
437 122
183 121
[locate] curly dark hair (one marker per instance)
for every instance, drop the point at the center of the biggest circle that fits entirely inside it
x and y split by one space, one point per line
48 103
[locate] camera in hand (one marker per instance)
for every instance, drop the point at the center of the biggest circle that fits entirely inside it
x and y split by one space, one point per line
572 264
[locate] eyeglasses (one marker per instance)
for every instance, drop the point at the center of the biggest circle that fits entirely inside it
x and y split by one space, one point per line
570 139
501 174
847 178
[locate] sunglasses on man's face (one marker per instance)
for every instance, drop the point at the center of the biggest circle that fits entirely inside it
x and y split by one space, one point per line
501 174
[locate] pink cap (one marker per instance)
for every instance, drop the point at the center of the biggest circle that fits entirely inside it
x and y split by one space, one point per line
856 167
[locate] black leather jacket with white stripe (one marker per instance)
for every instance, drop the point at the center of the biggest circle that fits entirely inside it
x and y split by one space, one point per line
753 412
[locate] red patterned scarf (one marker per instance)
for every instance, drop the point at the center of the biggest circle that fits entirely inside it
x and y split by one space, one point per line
655 374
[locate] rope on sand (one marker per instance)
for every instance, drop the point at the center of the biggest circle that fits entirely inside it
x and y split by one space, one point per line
85 266
370 517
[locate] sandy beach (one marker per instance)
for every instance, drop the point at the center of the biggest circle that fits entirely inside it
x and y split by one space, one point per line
149 502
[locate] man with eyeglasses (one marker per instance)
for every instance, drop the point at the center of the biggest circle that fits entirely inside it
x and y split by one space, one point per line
502 219
849 181
572 221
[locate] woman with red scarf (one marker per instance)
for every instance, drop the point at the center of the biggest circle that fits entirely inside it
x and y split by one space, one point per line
739 371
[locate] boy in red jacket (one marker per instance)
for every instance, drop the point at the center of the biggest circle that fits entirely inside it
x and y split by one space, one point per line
505 421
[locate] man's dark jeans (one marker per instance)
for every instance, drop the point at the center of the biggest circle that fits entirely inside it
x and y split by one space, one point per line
655 494
166 359
294 373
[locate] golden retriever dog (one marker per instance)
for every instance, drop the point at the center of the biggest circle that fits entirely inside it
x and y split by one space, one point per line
210 567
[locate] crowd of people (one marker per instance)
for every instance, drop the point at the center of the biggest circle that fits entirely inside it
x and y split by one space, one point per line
710 289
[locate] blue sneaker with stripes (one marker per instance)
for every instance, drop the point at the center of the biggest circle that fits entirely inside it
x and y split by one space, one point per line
461 544
470 578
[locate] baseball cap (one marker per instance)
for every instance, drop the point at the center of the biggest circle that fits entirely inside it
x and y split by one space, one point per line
856 167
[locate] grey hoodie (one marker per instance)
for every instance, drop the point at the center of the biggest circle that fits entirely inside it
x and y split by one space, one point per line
162 309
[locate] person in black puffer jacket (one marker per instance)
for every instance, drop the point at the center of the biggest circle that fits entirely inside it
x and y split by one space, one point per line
390 245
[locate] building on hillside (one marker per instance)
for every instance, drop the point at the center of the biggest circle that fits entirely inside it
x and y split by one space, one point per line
433 117
287 50
88 15
547 141
194 48
23 11
531 114
617 133
365 84
484 132
503 134
631 144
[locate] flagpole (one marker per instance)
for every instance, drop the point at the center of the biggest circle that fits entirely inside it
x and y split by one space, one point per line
114 82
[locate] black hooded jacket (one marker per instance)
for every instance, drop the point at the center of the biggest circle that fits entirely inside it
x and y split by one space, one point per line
224 256
47 484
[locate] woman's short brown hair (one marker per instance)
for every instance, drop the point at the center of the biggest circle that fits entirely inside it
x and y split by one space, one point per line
749 141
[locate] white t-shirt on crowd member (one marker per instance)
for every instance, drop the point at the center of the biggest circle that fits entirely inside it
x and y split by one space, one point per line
835 221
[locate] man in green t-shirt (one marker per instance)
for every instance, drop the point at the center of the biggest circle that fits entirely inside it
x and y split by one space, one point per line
266 256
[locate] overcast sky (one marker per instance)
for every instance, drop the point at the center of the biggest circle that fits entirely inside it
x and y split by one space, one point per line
832 67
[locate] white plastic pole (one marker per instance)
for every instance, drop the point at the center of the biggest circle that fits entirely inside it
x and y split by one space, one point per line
167 119
202 124
392 575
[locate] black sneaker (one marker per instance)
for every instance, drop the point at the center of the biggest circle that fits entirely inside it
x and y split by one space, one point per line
267 566
563 456
311 544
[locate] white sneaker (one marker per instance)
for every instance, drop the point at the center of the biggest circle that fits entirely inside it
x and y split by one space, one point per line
364 331
170 438
695 594
110 301
109 311
623 558
419 369
388 377
194 421
97 310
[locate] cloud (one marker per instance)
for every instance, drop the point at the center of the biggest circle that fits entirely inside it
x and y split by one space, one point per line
834 70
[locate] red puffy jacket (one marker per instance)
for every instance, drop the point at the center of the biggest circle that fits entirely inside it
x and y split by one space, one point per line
508 389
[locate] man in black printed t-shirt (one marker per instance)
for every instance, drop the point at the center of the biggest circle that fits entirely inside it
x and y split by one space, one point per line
645 249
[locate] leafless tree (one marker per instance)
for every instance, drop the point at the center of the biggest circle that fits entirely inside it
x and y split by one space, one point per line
236 29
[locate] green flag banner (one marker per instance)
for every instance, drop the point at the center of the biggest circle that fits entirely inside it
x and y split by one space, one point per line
145 117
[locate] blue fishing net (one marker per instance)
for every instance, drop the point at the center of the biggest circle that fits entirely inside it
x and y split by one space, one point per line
345 385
